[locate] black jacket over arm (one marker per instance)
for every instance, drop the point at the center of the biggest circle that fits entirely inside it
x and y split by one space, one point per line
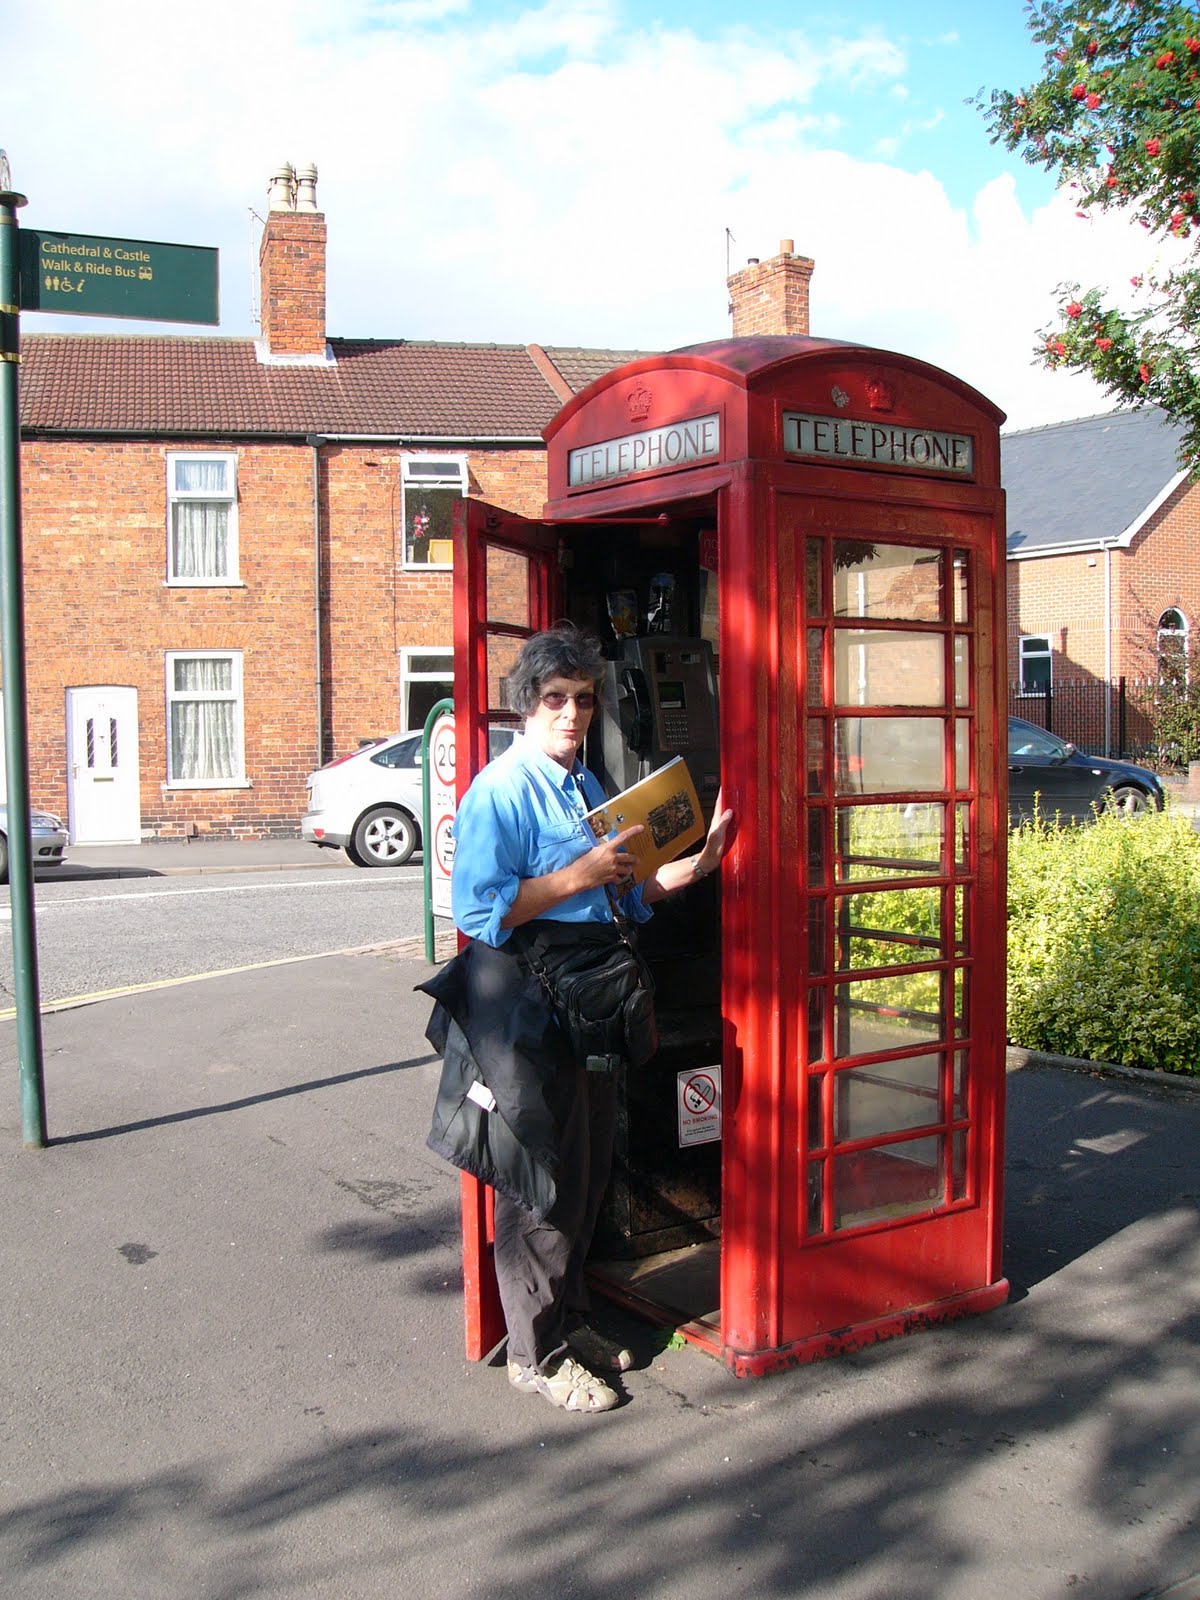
491 1024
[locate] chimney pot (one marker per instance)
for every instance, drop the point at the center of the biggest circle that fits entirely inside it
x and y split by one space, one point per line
787 247
306 188
281 192
751 261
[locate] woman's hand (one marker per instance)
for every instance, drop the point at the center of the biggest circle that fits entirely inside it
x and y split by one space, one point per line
609 862
715 845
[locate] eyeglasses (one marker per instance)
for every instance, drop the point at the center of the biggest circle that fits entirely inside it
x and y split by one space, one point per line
555 700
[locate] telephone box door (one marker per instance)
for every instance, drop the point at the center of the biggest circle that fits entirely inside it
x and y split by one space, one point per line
506 587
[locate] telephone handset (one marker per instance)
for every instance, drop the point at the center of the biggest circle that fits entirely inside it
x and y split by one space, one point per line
640 728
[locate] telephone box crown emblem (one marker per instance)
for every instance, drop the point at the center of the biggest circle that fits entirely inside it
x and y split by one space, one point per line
639 400
880 394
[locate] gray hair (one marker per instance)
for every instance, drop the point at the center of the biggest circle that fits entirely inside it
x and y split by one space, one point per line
562 652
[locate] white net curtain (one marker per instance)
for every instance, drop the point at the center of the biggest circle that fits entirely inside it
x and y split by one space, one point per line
204 741
200 527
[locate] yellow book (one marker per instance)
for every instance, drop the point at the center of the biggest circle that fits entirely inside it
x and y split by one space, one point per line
668 808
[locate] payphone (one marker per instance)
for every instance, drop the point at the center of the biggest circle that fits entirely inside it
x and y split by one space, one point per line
659 701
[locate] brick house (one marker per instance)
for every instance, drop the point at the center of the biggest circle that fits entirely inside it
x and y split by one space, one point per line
1103 562
237 558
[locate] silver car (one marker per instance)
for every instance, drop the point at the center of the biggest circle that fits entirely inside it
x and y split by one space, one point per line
48 835
368 803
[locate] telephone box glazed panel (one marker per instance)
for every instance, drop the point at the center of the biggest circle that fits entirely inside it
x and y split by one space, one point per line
859 559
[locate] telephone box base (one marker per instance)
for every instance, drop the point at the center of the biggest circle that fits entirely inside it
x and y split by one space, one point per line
842 1341
704 1332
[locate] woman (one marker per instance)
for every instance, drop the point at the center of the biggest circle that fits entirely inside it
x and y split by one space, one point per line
524 854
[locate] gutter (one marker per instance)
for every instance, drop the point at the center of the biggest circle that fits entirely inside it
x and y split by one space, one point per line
33 431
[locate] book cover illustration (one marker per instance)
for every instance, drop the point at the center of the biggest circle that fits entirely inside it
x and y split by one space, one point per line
666 805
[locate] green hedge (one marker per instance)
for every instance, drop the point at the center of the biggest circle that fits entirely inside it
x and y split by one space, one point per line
1104 941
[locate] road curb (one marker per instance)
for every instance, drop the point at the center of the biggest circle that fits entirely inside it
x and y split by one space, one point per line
1184 1083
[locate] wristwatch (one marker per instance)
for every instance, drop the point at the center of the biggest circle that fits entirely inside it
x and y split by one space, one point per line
697 870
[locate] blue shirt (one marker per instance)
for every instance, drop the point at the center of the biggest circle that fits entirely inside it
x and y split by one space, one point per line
521 818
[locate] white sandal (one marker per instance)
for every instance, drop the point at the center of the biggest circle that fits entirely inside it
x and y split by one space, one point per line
565 1384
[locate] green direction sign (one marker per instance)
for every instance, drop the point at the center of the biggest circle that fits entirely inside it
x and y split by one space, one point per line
87 276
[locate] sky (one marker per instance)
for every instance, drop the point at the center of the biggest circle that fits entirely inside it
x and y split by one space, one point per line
575 172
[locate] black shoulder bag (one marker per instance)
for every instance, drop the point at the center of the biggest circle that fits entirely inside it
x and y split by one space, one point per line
598 985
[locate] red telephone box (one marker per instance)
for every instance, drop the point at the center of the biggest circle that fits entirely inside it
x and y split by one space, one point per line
831 521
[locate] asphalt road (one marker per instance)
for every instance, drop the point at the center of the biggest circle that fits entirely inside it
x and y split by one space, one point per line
94 937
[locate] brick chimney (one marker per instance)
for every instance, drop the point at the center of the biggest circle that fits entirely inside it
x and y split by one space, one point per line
771 296
291 270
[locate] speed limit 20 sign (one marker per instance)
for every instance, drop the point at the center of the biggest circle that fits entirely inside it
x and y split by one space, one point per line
442 802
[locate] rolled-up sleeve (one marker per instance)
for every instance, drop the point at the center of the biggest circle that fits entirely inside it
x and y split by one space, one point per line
486 873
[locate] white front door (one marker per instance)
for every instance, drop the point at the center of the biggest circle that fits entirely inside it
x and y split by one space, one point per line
103 792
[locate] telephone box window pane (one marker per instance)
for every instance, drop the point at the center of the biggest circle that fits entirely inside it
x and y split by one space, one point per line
962 753
962 597
816 1024
816 1186
814 578
873 668
962 836
887 1013
816 1121
958 1171
886 581
816 848
814 743
898 1180
888 755
815 666
817 960
507 587
961 902
962 670
888 1097
960 1083
898 928
889 841
502 656
961 995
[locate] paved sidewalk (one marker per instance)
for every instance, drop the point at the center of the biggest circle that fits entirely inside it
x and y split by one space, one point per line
233 1353
184 857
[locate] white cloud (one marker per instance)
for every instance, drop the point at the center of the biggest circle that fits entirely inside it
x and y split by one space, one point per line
564 175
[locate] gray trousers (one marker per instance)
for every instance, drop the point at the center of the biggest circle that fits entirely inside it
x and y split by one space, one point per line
539 1265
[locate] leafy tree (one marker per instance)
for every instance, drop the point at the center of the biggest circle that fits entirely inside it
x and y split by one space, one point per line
1115 115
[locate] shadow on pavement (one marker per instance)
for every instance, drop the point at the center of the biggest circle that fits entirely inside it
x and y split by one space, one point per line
240 1105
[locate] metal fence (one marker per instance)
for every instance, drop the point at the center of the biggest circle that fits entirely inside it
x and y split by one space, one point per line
1103 719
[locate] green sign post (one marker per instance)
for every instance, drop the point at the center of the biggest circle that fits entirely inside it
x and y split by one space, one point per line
88 276
83 275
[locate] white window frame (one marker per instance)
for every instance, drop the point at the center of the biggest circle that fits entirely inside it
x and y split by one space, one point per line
1184 635
1024 655
430 472
175 496
235 695
409 676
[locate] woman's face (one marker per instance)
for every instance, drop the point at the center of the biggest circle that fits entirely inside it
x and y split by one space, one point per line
558 729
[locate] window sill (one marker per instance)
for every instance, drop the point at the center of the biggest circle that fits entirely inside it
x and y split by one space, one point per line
427 566
204 583
208 783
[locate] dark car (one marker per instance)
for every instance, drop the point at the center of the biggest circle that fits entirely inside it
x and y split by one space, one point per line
1048 774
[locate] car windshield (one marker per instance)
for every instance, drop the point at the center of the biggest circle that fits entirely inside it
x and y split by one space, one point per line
1030 743
404 753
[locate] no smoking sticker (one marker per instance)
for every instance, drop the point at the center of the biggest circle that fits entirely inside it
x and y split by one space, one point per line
699 1100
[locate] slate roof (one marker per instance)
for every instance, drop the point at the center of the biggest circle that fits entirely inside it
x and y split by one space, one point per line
1076 483
81 383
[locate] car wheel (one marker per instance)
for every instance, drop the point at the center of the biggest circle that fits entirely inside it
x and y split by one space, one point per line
1129 800
385 837
3 859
